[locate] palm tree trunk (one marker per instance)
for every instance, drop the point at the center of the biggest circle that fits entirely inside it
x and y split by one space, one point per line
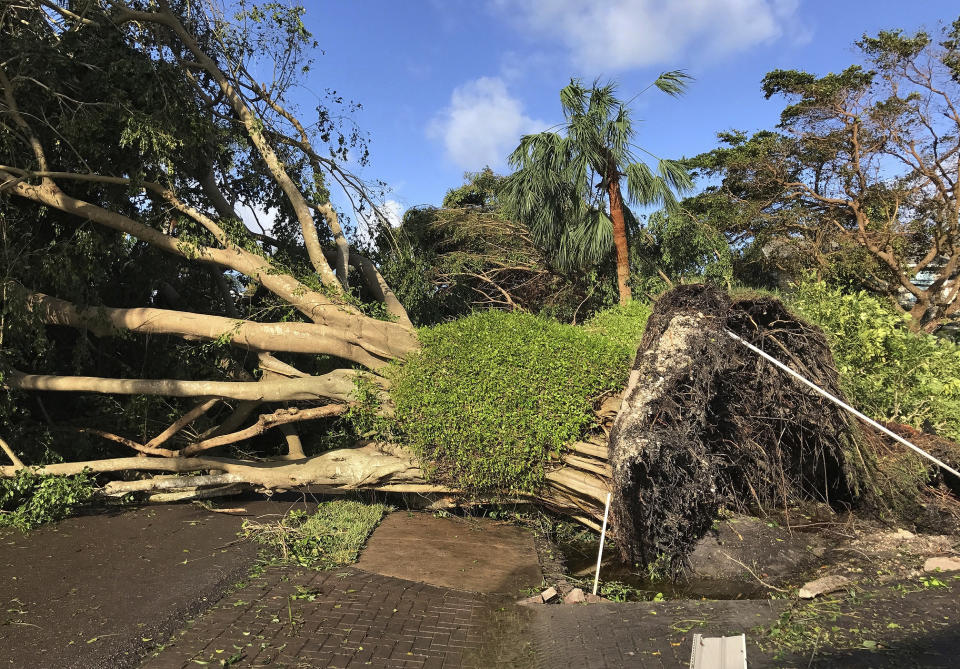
619 234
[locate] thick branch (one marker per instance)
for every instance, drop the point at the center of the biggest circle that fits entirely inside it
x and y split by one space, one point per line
316 306
370 466
367 341
182 422
17 462
337 385
254 129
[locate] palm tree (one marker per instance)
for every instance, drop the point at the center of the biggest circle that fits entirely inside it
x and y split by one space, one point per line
567 185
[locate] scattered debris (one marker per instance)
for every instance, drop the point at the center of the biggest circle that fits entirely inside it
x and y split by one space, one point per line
575 596
942 564
824 586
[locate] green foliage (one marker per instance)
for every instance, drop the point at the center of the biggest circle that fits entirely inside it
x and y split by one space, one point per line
479 190
852 148
554 193
889 372
622 325
490 395
29 500
444 263
682 247
330 538
365 415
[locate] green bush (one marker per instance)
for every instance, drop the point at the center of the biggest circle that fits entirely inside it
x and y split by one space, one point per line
888 372
28 500
330 538
490 395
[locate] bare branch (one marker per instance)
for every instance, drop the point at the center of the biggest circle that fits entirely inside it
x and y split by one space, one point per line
337 385
264 423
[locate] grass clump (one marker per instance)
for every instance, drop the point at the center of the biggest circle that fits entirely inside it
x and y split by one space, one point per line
490 395
29 500
889 372
330 538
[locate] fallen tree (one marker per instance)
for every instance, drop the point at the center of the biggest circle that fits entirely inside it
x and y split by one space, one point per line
133 135
139 312
165 328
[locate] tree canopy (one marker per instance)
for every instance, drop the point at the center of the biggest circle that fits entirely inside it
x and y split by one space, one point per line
859 181
133 134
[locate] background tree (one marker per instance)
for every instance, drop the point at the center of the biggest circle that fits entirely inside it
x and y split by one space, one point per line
567 186
469 254
861 181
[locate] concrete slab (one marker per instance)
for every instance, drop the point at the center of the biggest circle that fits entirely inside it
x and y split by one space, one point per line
470 554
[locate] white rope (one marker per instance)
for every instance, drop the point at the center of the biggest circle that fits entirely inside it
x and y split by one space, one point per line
841 403
603 535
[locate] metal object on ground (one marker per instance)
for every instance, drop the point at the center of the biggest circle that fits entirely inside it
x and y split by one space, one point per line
722 652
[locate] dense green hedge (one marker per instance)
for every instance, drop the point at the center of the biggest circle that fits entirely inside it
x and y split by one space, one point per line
888 372
489 395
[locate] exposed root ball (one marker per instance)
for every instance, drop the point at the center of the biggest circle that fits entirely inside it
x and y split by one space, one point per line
705 422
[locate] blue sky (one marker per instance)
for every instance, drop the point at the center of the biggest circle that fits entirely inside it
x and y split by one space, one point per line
450 85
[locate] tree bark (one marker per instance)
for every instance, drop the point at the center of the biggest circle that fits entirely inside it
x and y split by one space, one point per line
619 234
337 385
368 342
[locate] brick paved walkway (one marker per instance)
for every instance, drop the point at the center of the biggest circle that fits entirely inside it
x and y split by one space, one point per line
343 618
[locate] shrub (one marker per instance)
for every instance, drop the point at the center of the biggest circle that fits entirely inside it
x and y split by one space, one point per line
331 537
490 395
622 325
888 372
28 500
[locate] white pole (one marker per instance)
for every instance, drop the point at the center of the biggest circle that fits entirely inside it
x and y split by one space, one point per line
603 535
846 406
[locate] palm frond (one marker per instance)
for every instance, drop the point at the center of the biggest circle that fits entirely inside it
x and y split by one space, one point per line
676 175
674 82
573 99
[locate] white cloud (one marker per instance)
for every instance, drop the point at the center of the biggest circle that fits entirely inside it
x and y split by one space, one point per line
623 34
393 211
482 125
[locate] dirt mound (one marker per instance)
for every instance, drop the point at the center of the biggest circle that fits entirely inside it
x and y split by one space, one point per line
707 423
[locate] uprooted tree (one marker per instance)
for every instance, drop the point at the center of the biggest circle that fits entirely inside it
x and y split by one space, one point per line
134 137
141 314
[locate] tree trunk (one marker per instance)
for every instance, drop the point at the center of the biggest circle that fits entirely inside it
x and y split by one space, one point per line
619 234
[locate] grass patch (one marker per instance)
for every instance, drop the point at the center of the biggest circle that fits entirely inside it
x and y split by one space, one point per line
330 538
